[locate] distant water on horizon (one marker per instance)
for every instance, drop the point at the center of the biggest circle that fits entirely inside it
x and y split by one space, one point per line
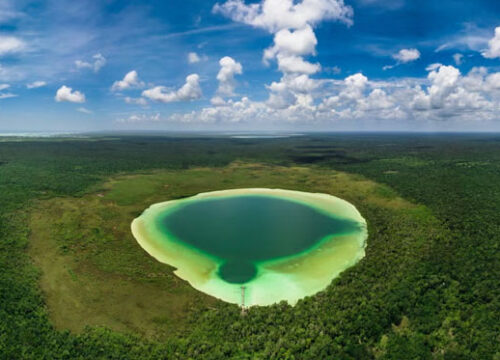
31 134
262 136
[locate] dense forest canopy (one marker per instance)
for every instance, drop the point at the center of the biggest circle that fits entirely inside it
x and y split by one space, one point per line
434 296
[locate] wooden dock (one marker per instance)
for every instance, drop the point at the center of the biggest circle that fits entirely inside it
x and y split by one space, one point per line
243 308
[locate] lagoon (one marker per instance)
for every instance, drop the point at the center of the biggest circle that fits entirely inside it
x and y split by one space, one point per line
254 246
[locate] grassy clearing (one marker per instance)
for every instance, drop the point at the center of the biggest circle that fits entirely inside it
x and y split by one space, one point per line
94 273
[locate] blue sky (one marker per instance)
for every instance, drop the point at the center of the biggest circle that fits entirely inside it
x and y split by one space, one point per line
241 65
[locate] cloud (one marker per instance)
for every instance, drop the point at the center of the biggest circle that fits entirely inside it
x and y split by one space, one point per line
377 100
12 73
444 80
434 66
469 37
36 84
293 42
136 101
444 95
333 70
275 15
407 55
492 82
193 58
139 119
458 59
11 44
82 64
130 81
292 24
493 50
235 112
403 56
84 110
98 64
296 65
228 69
67 94
290 90
352 91
7 96
189 91
469 41
290 47
8 11
218 101
473 97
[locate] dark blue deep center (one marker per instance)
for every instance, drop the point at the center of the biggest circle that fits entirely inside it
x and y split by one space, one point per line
243 230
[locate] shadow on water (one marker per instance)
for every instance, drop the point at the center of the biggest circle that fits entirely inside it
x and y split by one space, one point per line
246 230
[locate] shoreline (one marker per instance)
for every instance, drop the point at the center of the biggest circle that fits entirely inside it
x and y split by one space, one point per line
289 278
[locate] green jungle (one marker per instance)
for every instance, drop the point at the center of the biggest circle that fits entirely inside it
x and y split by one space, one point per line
74 283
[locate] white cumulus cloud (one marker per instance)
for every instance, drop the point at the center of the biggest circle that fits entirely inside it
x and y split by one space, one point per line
274 15
191 90
11 44
98 63
296 65
493 50
403 56
296 42
67 94
444 80
193 58
289 48
407 55
444 95
292 24
228 69
130 81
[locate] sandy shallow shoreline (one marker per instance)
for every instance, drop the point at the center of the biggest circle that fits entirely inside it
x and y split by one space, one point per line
288 279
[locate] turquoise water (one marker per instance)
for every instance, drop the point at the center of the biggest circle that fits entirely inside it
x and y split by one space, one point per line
242 231
254 246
